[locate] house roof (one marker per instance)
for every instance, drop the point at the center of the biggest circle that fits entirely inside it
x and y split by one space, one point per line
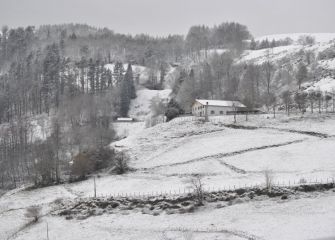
220 103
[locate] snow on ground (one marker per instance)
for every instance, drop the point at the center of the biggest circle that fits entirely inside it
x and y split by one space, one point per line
197 147
125 129
319 37
184 147
325 85
310 217
140 110
290 52
302 159
140 107
166 157
273 54
328 64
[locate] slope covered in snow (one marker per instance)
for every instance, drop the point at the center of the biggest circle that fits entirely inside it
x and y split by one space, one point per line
319 37
324 85
167 155
140 106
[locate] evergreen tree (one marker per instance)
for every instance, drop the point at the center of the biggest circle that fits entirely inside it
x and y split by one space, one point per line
103 79
162 75
129 78
253 44
128 91
301 74
125 99
51 81
118 73
91 75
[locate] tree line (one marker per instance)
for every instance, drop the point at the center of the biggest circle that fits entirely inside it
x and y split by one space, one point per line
77 99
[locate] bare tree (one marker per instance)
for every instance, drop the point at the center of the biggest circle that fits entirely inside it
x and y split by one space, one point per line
286 97
268 70
121 163
268 175
198 188
312 98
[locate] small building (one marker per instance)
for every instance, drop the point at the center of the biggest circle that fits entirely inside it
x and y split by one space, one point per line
124 119
216 107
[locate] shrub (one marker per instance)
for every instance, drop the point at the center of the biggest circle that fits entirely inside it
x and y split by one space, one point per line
302 181
327 54
173 110
306 40
33 212
88 162
171 113
198 188
81 166
121 163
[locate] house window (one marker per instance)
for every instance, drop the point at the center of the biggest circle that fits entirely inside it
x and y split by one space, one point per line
212 112
221 112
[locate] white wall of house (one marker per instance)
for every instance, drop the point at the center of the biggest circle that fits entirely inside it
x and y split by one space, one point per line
200 110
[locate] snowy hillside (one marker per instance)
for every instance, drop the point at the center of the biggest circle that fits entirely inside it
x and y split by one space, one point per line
166 157
140 107
140 110
324 85
290 53
289 57
319 37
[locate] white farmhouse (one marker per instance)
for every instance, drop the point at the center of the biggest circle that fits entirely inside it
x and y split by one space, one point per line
216 107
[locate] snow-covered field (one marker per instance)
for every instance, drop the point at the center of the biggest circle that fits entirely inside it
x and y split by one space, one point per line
305 218
167 155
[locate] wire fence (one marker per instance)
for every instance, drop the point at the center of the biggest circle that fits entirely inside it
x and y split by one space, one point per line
184 191
231 118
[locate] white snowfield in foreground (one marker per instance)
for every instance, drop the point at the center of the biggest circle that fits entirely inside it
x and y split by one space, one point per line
302 218
167 155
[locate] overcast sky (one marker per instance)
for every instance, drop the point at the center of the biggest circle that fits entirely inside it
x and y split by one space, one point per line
161 17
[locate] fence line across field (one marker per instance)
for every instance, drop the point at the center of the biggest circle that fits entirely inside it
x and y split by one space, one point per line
209 189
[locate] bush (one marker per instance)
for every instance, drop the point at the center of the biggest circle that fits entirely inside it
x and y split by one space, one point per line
173 110
198 188
81 166
33 212
121 163
171 113
306 40
88 162
327 54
